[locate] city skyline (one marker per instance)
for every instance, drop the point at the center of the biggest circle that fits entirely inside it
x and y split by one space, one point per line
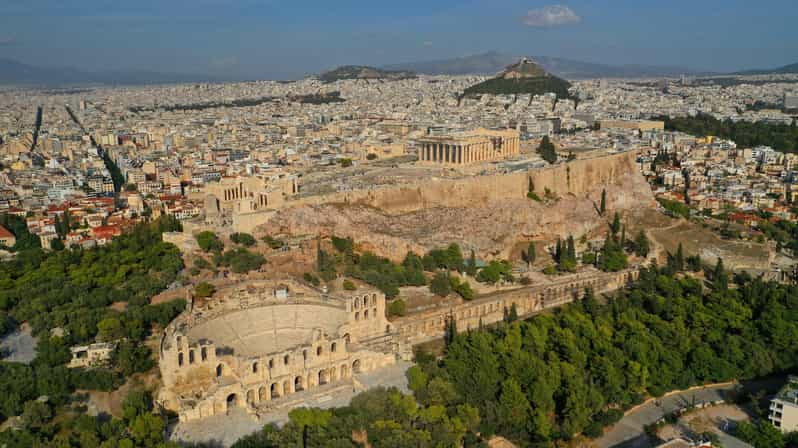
273 40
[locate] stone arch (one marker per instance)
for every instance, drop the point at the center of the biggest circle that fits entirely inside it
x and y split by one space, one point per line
263 394
356 366
204 353
324 377
347 339
365 314
357 315
344 371
231 401
357 303
191 356
255 367
374 299
219 370
275 391
299 384
180 359
333 347
251 396
319 351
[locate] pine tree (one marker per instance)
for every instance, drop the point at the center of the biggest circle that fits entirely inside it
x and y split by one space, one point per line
603 206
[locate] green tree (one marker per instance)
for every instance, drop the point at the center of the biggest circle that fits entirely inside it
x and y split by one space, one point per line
397 307
440 284
615 227
513 409
603 206
720 278
36 414
471 267
349 285
642 246
309 419
546 150
208 241
529 255
245 239
204 289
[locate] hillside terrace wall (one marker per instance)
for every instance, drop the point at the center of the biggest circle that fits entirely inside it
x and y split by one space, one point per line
431 324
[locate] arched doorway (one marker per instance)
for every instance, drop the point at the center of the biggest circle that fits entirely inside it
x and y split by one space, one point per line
219 371
324 377
275 391
356 366
232 401
298 384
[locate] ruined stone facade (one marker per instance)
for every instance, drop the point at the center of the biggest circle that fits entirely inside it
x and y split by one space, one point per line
429 325
260 342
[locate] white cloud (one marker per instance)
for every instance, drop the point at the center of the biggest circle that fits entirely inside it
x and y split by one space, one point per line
427 43
551 15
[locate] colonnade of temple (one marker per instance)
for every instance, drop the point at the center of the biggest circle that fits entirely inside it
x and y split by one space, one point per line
463 153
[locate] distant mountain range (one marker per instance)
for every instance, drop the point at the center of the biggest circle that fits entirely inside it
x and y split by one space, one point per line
490 63
792 68
17 73
493 62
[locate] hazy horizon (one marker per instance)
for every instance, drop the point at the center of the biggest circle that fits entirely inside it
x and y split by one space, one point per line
271 39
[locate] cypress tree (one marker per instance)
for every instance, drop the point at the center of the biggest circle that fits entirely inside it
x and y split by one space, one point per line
571 249
603 206
558 251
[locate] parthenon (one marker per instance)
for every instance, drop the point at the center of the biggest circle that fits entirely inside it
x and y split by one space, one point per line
465 148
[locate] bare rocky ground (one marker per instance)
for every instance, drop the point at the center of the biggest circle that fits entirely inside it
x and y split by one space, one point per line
491 229
224 430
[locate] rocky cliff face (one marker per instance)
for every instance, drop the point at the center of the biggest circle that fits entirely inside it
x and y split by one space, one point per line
490 214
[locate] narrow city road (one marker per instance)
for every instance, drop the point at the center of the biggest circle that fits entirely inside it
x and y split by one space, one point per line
630 433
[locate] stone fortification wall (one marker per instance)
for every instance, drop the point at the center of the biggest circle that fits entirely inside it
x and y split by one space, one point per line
577 178
429 325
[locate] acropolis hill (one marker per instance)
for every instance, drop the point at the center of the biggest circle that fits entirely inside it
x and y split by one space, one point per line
398 207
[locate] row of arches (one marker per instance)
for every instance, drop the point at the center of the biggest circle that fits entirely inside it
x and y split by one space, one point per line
191 356
286 386
366 301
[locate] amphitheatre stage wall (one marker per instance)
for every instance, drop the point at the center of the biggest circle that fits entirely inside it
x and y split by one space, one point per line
430 325
577 178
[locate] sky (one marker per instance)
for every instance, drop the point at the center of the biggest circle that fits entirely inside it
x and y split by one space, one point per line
282 39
